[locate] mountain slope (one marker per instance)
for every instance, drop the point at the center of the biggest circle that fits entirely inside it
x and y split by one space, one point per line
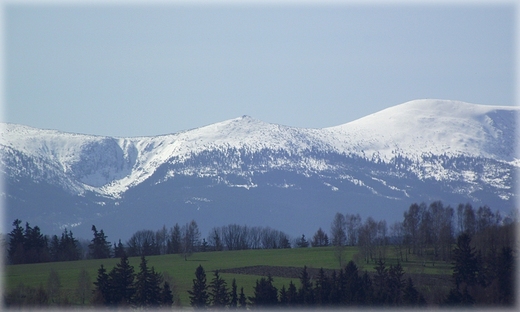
436 127
245 169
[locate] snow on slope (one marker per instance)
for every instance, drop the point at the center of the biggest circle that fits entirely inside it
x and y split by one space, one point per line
434 126
240 133
112 165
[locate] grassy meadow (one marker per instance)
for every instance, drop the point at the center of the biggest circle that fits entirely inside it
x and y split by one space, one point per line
182 272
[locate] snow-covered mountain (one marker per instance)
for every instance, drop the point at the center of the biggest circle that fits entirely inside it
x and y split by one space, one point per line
244 170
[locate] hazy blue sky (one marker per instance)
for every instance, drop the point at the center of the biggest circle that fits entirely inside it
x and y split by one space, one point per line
147 70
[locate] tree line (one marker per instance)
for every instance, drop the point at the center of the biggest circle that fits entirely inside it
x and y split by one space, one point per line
29 245
348 287
427 231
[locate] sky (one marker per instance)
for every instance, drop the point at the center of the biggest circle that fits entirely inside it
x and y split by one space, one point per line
141 70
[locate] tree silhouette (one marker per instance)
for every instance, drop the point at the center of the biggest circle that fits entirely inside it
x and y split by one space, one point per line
198 293
99 247
122 282
147 286
218 295
465 268
265 294
166 295
233 296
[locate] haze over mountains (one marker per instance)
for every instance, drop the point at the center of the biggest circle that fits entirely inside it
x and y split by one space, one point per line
247 171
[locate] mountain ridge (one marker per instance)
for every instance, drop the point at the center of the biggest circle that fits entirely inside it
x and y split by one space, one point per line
415 141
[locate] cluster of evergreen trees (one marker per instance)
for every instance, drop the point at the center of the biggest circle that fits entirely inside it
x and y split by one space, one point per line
482 279
216 294
349 287
122 287
29 245
64 248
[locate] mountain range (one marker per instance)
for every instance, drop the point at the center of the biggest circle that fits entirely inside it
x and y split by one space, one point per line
247 171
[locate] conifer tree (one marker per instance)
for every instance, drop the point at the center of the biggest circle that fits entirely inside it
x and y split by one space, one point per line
283 298
102 291
16 251
352 283
292 294
198 293
305 293
465 268
119 250
122 282
54 248
147 289
35 247
320 239
411 297
218 294
166 295
322 288
233 296
155 288
302 242
99 247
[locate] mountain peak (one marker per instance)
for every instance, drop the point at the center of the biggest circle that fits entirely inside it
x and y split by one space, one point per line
436 127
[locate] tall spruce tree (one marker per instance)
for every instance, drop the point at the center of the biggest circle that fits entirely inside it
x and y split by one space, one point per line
99 247
166 295
35 245
102 290
218 294
306 291
465 269
122 283
292 294
283 299
199 290
147 286
322 289
233 295
16 251
352 284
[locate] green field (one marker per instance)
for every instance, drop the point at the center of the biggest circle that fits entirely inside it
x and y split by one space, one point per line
183 271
